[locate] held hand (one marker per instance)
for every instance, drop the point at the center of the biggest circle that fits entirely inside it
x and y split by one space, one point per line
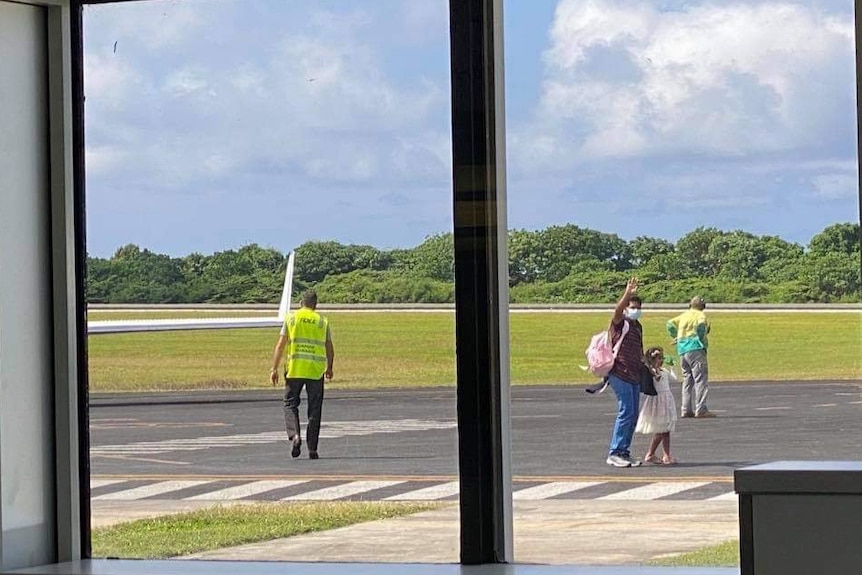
328 373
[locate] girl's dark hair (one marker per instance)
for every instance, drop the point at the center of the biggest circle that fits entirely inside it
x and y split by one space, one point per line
651 351
636 298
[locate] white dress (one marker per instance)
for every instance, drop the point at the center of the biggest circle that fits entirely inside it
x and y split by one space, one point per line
658 412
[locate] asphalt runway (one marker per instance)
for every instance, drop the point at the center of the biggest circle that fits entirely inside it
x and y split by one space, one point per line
559 433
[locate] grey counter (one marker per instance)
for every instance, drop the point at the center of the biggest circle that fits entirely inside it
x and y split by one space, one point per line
800 517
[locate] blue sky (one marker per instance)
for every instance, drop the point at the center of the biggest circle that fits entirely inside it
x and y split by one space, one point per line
213 124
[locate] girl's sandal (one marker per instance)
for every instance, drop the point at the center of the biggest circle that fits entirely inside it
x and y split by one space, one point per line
652 459
668 460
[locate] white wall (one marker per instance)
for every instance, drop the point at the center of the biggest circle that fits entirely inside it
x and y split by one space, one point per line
27 508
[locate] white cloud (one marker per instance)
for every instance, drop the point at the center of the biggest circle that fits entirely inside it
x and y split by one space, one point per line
623 79
836 186
423 21
185 82
113 79
102 160
579 26
646 120
319 103
154 25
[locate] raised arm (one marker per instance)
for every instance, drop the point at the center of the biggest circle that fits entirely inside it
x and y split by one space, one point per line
631 288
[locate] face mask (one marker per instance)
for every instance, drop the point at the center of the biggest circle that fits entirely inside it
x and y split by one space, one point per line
632 313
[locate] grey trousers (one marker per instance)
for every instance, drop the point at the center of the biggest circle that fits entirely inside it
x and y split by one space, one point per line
695 377
314 391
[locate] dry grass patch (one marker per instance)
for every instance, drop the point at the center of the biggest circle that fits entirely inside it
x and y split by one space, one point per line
228 526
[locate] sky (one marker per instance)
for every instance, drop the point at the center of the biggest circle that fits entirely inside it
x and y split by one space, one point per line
212 124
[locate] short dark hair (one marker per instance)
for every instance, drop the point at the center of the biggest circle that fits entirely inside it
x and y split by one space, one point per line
309 298
637 299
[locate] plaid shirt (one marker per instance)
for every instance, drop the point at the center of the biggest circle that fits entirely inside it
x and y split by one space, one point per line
629 359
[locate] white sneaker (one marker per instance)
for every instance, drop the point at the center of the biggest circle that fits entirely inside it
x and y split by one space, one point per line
618 461
634 462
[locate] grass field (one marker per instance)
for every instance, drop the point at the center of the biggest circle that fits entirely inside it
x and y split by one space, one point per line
418 350
228 526
722 555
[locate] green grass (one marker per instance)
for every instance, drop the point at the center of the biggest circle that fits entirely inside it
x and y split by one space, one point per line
418 350
178 314
722 555
228 526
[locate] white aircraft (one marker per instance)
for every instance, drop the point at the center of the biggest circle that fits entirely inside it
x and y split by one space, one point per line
130 325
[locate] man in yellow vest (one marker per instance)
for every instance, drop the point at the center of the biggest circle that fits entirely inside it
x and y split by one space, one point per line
306 335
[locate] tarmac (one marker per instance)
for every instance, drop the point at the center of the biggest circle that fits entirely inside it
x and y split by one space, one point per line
556 532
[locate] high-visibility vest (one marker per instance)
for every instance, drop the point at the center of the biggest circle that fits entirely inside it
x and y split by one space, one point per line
306 354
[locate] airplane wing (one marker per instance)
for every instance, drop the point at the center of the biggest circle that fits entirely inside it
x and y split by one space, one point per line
137 325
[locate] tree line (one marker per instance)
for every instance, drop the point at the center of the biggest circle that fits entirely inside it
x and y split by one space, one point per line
560 264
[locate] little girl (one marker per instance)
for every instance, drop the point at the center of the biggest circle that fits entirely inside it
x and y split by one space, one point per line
658 412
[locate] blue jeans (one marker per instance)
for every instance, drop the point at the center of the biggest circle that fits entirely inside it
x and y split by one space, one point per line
628 400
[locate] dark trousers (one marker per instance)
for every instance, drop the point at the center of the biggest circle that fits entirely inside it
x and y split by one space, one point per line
314 393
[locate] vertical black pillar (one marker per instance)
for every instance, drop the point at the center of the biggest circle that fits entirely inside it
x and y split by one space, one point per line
746 535
857 8
78 183
481 280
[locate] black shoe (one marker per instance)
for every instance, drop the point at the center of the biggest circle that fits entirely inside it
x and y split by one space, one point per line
313 455
297 447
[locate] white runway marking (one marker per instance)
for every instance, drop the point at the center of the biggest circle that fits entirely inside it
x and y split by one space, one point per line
432 491
428 493
339 491
330 430
94 483
547 490
731 496
826 405
772 408
247 490
652 491
150 490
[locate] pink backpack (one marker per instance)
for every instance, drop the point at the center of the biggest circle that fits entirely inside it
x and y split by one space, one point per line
600 354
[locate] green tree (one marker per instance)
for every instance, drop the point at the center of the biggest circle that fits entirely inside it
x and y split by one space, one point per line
142 276
252 274
693 248
644 248
552 254
667 266
434 258
837 238
735 256
316 260
836 276
524 256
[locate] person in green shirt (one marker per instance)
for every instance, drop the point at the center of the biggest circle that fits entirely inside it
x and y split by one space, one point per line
690 331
